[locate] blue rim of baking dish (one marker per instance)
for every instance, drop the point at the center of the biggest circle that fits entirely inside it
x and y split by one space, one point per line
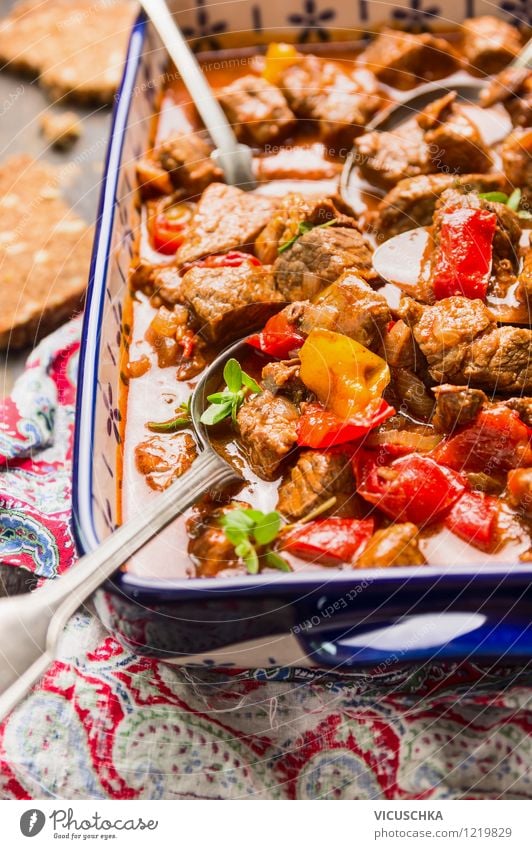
513 637
82 475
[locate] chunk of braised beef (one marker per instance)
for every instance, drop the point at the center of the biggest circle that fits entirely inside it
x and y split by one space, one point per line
226 218
524 281
164 458
489 44
396 545
228 302
142 275
463 345
267 431
318 258
316 477
408 391
523 406
257 110
402 60
513 88
507 235
456 406
208 546
293 211
283 376
340 103
516 154
384 158
166 285
182 161
520 490
454 141
411 203
349 306
399 346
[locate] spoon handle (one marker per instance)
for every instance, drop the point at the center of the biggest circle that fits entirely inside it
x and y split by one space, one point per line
235 159
31 624
524 57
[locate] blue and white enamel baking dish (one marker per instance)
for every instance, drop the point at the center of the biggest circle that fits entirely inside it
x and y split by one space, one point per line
374 619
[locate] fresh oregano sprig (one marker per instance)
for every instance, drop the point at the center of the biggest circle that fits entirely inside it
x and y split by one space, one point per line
252 533
228 402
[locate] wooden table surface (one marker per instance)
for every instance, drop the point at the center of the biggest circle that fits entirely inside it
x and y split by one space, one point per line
22 102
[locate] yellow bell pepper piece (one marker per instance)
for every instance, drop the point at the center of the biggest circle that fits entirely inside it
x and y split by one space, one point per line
344 375
279 56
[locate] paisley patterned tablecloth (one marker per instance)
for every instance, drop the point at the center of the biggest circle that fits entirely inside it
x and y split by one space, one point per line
104 723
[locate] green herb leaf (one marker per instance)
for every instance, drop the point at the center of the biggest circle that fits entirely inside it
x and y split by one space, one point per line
233 375
236 536
251 384
228 402
221 397
251 532
514 200
250 558
277 562
495 197
170 426
238 518
254 515
267 528
302 228
216 413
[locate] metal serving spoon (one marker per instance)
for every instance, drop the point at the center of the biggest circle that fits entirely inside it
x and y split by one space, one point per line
235 159
31 624
467 90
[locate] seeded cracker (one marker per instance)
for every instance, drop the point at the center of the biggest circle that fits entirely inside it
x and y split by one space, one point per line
44 253
76 47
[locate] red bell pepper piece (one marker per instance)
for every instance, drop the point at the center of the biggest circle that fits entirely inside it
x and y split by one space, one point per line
232 259
465 254
278 338
329 541
474 519
319 428
497 440
168 228
188 342
409 489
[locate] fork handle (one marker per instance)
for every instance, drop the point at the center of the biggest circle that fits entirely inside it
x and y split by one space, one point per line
31 624
235 159
524 57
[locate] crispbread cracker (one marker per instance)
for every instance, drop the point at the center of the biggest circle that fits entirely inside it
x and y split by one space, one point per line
76 47
45 253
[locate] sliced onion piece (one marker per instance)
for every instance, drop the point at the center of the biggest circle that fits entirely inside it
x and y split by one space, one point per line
405 439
